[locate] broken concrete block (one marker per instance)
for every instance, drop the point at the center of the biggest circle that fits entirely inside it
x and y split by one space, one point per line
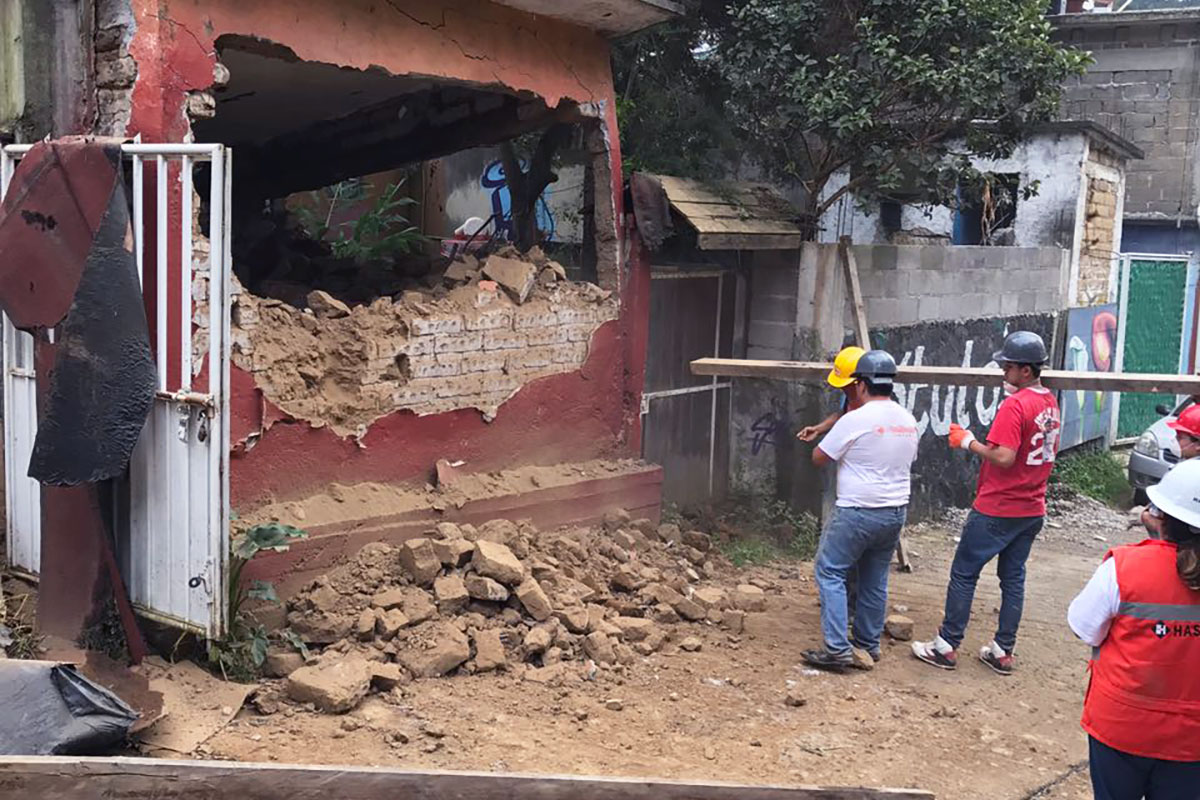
494 560
385 676
461 271
334 687
451 594
315 628
446 648
389 623
483 588
489 651
734 620
448 530
862 659
634 629
689 609
538 639
388 599
627 579
668 532
616 519
419 607
365 628
599 648
899 627
750 598
453 552
661 593
517 277
325 305
420 561
711 597
698 540
691 644
280 665
530 593
576 619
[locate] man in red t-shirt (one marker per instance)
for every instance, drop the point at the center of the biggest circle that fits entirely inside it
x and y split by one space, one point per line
1010 504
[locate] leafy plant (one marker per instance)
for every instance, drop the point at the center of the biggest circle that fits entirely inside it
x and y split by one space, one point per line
1094 473
240 653
768 531
379 234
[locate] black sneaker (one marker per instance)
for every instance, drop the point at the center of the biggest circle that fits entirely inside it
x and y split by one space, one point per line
832 662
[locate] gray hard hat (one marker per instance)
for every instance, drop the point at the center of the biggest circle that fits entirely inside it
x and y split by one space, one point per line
1022 347
876 367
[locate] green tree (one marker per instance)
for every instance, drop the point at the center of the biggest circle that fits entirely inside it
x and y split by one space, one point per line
902 94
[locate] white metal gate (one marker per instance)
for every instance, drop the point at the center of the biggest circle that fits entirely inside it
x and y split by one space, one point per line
172 521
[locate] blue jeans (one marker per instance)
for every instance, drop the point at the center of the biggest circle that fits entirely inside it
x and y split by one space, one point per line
1117 775
862 540
1007 539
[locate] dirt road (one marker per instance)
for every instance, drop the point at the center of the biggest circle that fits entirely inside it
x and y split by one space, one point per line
720 713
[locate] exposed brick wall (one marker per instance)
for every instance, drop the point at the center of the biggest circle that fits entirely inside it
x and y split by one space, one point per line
1145 86
1098 247
116 70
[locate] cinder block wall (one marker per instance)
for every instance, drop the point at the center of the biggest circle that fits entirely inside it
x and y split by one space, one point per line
933 305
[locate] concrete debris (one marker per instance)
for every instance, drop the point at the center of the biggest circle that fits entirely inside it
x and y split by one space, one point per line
326 306
505 596
282 664
862 659
517 277
899 627
795 699
334 688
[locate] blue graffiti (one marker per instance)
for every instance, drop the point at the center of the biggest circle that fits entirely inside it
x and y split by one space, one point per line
493 178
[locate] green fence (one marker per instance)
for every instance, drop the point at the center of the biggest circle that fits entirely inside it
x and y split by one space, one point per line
1153 333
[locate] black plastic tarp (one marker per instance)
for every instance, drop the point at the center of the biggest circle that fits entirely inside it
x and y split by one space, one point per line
50 709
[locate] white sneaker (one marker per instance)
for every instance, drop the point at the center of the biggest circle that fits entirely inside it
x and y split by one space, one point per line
996 657
937 652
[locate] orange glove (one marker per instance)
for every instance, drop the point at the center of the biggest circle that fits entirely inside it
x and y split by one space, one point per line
960 437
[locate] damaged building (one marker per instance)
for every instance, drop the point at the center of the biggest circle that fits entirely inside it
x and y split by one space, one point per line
372 238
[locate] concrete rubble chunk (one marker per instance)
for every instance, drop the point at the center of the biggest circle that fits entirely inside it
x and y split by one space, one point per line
282 664
447 530
538 639
387 599
386 676
599 648
325 305
646 526
484 588
389 623
668 532
461 271
496 561
420 561
734 620
862 659
651 644
530 593
690 610
335 687
453 552
750 598
419 606
711 597
899 627
440 649
517 277
316 628
634 629
661 593
691 644
625 539
489 651
575 619
616 519
795 699
365 628
451 594
627 579
325 599
697 539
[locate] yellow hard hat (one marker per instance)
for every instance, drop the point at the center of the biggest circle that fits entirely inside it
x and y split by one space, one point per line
844 365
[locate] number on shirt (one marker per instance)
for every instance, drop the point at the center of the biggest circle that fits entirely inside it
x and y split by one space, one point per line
1043 448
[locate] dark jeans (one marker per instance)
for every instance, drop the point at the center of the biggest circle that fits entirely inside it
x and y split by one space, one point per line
1119 776
856 541
1007 539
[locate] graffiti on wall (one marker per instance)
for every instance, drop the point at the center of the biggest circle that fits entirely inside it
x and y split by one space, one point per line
493 181
1091 339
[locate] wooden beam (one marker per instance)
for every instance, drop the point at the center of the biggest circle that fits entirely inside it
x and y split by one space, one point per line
60 778
815 372
861 330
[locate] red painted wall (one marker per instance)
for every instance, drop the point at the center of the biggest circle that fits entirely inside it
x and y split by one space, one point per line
589 413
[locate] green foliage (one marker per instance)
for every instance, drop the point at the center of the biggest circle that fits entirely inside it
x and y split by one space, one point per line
380 233
768 530
893 90
239 655
1094 473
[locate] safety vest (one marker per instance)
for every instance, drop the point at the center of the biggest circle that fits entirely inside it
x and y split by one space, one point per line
1144 694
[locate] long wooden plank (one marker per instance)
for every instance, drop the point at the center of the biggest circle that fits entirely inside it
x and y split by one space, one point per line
850 266
55 778
815 372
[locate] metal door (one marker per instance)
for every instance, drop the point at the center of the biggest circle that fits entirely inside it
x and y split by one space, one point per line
1151 336
684 416
172 515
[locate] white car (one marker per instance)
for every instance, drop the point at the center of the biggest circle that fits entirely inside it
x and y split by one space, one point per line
1156 451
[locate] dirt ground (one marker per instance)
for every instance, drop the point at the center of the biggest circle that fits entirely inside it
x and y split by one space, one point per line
720 713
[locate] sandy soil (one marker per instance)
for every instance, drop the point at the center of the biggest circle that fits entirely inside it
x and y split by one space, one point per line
720 713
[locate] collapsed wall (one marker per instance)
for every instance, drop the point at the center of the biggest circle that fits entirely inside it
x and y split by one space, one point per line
473 347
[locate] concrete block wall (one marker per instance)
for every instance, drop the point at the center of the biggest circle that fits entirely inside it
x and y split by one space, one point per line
1145 86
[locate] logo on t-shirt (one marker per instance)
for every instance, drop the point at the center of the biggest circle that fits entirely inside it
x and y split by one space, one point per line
1162 629
1043 444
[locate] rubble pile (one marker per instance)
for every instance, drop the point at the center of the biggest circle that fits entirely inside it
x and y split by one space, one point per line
505 597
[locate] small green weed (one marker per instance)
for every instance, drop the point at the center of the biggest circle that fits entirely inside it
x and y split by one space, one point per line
1093 473
768 530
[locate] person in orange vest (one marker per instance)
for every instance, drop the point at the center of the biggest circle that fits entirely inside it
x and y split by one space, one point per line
1187 434
1141 613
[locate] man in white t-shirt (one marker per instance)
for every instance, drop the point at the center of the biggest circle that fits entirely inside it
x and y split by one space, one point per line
874 445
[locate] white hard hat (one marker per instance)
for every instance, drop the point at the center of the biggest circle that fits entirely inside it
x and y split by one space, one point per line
1178 493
